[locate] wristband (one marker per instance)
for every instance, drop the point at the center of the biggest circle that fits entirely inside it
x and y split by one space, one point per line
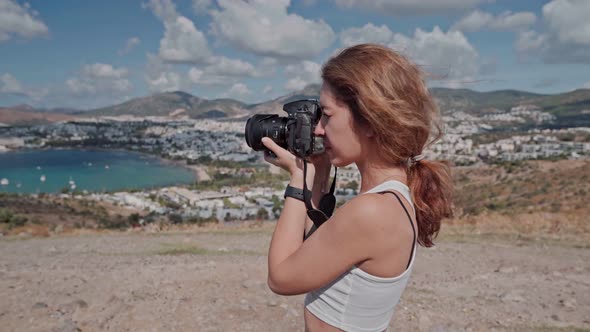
294 192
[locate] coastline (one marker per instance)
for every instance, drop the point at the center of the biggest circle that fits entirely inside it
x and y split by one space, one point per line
198 172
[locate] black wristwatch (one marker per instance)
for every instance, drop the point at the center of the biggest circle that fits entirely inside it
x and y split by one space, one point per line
294 192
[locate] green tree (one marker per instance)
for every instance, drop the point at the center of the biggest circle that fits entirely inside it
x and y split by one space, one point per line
262 214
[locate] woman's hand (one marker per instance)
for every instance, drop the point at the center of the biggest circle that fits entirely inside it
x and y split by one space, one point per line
284 159
294 165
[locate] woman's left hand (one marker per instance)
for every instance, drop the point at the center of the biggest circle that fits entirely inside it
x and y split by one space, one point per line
287 161
284 159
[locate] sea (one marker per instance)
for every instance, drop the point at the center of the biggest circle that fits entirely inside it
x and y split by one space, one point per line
70 170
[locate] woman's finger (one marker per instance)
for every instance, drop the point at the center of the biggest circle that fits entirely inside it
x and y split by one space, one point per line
272 146
281 158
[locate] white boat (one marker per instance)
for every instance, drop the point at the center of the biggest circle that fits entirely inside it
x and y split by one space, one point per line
107 166
38 167
42 178
4 182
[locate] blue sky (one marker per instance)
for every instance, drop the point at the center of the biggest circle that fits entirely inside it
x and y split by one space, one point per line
87 54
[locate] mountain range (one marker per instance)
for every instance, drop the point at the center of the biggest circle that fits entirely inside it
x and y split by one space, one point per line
570 108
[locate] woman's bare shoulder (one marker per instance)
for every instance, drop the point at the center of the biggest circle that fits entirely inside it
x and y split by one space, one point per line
373 211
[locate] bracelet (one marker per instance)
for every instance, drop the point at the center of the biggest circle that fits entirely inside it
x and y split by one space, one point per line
295 193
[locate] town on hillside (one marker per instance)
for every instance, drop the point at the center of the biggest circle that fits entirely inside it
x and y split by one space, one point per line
234 182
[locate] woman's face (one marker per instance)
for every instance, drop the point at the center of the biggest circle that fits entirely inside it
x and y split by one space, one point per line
341 139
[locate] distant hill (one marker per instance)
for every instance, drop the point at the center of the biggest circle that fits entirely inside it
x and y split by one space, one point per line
570 108
25 115
475 102
176 103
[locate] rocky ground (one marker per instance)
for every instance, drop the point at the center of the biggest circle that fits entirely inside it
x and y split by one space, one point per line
215 280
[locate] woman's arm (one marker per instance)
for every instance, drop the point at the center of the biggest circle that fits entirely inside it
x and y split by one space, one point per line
296 267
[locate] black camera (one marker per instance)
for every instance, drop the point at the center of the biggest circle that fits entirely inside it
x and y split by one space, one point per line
293 132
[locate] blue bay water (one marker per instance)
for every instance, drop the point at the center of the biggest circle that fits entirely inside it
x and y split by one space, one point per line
91 170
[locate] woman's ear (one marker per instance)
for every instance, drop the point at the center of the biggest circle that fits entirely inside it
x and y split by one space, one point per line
369 132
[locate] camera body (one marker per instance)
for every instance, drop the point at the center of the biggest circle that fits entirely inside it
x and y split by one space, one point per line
293 132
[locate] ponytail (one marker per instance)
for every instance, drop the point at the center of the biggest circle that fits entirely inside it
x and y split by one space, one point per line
431 185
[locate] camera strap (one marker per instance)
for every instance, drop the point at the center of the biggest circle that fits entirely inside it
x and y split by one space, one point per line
326 205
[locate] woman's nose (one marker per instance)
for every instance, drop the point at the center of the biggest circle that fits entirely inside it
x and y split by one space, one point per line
319 129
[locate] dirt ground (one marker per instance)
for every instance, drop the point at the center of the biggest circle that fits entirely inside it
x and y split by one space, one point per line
215 280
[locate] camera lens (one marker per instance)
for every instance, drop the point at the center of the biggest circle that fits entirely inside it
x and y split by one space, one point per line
266 125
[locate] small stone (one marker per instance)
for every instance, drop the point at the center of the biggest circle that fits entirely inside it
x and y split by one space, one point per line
272 303
284 306
513 296
569 303
223 249
39 305
81 303
555 317
506 269
69 326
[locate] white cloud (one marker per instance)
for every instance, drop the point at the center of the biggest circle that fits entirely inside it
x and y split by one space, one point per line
182 41
566 35
101 70
9 85
98 79
267 89
200 77
264 27
160 77
530 41
302 74
19 20
237 91
200 6
129 45
443 54
409 7
513 21
569 20
222 71
231 67
587 85
163 9
478 20
369 33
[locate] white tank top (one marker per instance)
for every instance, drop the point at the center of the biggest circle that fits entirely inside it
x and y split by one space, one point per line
357 300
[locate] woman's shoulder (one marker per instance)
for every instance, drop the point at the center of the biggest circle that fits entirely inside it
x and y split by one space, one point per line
373 211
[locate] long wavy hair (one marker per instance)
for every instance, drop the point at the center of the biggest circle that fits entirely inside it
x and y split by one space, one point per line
387 92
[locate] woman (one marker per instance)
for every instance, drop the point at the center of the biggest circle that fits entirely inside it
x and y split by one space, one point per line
378 114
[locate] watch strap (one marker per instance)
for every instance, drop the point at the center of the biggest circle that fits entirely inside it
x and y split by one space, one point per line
295 193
